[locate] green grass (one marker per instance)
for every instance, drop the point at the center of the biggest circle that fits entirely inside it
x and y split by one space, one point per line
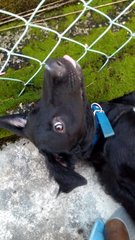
116 79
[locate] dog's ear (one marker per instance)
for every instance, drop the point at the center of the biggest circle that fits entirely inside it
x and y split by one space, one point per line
67 178
15 123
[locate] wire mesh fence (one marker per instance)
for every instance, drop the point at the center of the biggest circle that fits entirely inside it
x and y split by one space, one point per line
60 36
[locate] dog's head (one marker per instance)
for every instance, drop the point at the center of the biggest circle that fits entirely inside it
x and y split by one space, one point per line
57 125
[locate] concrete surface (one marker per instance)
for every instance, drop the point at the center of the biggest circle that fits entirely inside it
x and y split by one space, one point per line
29 208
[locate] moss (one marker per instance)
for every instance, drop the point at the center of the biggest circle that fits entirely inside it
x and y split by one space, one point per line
131 24
114 80
41 47
65 21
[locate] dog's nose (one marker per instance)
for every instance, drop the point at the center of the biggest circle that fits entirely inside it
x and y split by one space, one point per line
71 60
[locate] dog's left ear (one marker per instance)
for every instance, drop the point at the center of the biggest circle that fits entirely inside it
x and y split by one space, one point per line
15 123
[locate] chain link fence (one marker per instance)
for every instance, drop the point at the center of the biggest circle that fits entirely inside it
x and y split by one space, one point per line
29 23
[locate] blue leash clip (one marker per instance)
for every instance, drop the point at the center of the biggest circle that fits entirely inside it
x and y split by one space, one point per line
103 120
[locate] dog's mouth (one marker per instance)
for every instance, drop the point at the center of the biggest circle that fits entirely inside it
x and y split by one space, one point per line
60 159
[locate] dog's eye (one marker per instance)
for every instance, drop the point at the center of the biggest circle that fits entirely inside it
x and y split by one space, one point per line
58 127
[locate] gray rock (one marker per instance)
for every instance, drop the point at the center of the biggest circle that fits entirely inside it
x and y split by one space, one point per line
29 206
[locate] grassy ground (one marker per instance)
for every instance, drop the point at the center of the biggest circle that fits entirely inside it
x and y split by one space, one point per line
116 79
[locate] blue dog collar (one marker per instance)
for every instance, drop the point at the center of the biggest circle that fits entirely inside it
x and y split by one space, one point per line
102 120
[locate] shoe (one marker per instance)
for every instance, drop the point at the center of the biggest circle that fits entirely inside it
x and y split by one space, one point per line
121 214
115 229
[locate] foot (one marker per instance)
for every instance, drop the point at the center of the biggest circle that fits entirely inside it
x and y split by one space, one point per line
115 229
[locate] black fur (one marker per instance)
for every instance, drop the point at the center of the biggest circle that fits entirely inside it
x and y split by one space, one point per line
63 104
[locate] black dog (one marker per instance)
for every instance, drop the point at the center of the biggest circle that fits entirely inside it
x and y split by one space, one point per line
64 128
